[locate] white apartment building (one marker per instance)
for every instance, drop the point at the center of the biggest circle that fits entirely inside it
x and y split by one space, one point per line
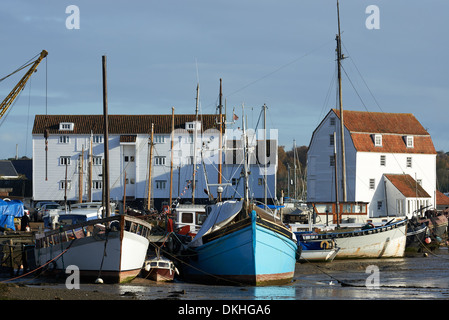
390 165
63 146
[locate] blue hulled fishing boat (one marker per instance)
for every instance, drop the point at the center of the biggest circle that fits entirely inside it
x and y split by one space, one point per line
241 244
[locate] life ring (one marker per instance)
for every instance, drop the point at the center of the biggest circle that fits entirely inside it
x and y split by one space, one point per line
325 245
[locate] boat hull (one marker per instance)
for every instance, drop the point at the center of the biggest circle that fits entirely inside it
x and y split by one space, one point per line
318 255
159 274
115 257
252 251
381 242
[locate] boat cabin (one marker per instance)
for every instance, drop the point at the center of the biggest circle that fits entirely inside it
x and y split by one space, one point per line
348 212
189 218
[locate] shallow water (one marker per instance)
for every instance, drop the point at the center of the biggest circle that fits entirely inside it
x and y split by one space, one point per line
405 278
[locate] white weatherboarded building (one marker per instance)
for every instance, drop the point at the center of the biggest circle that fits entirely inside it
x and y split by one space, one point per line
61 157
390 166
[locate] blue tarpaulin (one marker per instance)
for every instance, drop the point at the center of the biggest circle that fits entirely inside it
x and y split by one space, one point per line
8 211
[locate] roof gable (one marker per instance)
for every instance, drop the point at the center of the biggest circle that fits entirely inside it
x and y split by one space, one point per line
7 169
407 186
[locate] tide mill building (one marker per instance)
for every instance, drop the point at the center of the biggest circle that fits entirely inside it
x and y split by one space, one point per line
390 166
68 153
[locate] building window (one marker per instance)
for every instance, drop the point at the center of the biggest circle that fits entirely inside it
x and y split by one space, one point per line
372 184
379 205
332 121
130 158
399 207
234 181
332 160
260 181
64 160
383 160
159 139
161 184
409 141
64 139
159 161
378 140
409 162
66 126
96 161
65 185
97 184
189 160
97 139
331 140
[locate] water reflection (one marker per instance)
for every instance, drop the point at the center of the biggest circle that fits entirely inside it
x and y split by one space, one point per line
274 293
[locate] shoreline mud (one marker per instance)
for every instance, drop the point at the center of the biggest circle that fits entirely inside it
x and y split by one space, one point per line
310 280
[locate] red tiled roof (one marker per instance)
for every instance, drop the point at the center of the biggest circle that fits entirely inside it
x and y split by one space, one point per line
119 124
392 126
442 199
381 122
363 142
407 185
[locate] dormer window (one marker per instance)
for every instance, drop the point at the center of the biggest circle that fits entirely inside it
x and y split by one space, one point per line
378 140
66 126
409 141
192 125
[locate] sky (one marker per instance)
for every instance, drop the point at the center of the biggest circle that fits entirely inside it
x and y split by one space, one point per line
279 53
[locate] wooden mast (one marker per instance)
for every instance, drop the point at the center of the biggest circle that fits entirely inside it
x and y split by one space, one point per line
80 182
106 141
194 143
171 157
340 57
89 191
150 168
220 141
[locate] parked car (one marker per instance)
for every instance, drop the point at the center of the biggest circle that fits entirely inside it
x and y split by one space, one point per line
50 209
37 214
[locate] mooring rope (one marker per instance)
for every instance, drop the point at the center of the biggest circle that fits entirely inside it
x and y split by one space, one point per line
45 264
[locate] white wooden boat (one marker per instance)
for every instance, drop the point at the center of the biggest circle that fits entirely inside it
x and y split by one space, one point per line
112 248
387 241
